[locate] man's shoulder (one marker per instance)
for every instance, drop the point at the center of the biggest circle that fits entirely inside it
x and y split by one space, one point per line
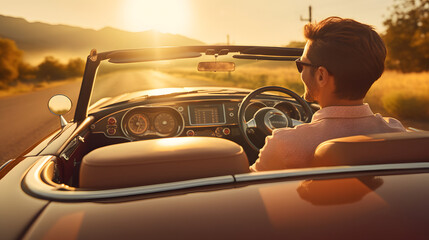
297 130
392 122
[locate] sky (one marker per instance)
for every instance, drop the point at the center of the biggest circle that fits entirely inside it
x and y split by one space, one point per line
247 22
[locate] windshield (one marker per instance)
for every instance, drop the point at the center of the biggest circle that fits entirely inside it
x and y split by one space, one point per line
125 81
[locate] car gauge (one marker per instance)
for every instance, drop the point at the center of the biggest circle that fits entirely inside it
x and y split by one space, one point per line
137 124
165 123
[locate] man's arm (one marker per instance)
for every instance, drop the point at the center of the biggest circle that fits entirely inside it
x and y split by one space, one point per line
271 155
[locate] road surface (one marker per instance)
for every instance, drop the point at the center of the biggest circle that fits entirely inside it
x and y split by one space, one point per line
25 118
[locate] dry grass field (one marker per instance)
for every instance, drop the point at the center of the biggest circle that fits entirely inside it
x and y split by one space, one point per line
400 95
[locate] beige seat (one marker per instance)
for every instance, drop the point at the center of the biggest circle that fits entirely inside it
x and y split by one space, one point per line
161 161
374 149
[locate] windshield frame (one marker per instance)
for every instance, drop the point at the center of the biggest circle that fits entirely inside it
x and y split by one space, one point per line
162 53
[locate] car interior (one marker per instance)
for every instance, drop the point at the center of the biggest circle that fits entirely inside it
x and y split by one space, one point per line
198 133
156 160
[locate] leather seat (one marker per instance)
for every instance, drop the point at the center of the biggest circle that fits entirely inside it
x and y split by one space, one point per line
161 161
383 148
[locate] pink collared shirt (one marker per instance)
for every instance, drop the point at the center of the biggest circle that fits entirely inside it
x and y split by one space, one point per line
294 147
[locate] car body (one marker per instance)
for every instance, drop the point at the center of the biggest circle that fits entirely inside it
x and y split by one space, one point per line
173 164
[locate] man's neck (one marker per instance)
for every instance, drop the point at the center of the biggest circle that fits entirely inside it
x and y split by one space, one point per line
341 102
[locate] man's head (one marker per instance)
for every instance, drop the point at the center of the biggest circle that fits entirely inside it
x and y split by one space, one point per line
350 53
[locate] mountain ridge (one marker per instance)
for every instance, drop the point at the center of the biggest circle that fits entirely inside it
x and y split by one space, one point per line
38 38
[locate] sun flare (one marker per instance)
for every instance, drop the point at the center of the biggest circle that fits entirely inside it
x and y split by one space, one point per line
162 15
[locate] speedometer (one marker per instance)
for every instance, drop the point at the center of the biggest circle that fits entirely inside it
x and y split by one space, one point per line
165 123
138 124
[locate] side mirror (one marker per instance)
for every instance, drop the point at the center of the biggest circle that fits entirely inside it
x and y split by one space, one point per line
60 105
216 66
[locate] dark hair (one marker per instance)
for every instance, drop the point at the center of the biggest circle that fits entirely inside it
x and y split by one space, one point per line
351 51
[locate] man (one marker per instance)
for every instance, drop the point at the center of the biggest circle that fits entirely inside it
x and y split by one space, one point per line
340 62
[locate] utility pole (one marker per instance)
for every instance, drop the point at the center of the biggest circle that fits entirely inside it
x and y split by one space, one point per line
227 39
309 15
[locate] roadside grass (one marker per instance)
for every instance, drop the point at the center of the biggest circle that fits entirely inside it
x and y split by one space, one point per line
30 86
405 96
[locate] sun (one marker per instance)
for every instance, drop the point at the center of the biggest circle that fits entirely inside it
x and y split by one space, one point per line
162 15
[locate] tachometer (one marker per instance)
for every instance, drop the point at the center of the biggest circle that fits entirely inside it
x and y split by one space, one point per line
165 123
138 124
252 108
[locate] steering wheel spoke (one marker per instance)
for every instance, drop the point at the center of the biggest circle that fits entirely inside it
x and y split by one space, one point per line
251 124
296 122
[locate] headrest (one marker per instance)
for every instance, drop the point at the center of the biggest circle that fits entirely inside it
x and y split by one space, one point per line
399 147
161 161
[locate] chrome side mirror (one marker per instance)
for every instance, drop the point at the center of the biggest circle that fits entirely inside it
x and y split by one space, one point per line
59 105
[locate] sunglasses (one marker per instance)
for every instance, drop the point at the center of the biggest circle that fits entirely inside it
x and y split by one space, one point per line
300 65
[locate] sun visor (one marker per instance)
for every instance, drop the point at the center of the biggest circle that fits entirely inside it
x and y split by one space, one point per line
146 55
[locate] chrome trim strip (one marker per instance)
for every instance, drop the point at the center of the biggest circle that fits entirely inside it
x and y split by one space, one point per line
415 129
255 176
6 163
35 184
33 180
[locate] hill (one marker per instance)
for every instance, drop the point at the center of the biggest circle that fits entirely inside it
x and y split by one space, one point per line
40 39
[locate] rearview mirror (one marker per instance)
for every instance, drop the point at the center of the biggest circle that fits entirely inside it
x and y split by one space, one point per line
216 66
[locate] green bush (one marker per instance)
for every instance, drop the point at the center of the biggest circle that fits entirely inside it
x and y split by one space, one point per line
407 106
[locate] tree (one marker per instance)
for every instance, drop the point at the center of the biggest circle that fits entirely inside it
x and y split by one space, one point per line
26 71
407 36
296 44
51 69
10 59
75 67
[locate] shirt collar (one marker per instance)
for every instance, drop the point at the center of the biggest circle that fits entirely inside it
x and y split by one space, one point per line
343 112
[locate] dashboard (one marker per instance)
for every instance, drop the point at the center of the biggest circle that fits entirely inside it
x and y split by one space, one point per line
217 118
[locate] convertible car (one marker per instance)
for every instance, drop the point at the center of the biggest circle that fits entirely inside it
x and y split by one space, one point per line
160 147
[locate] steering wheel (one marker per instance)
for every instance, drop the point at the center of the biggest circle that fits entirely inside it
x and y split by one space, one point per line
268 118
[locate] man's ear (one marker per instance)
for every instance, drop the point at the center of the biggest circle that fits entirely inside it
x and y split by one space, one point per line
322 76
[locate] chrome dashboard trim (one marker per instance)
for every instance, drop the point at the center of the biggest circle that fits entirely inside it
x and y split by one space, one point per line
208 126
293 173
34 183
126 135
